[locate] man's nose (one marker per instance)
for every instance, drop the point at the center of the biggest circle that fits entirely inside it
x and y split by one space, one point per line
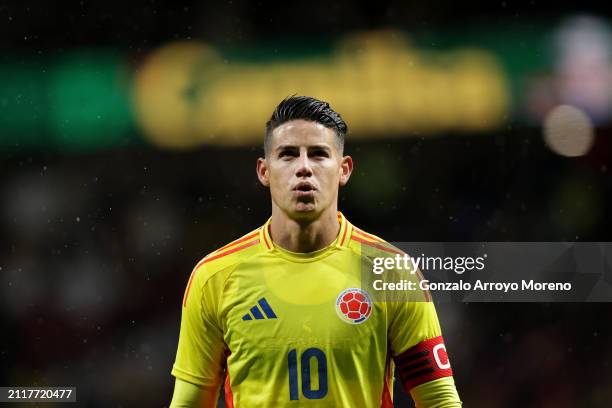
303 169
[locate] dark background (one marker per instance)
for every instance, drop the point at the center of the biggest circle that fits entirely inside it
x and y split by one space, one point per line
97 246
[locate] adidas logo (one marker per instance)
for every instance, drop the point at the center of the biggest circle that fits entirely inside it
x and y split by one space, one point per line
256 313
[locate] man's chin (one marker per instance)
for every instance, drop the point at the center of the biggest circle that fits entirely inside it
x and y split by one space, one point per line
305 211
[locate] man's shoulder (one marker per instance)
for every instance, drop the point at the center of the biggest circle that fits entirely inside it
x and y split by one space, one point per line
229 255
361 240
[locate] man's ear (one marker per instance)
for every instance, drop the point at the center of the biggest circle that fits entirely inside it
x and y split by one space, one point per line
346 168
262 172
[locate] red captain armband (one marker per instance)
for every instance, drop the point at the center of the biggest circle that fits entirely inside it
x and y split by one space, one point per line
427 361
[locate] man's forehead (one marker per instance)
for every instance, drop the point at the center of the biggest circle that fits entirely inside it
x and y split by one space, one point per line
302 132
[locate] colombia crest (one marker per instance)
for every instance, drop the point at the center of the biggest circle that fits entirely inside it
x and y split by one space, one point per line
354 305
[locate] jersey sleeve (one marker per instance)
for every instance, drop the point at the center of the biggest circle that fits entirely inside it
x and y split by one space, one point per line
200 356
420 355
188 395
412 323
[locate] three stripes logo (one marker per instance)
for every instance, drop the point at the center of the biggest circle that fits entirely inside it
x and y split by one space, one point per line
260 311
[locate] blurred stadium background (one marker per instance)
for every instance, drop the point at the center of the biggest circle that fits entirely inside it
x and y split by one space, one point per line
128 138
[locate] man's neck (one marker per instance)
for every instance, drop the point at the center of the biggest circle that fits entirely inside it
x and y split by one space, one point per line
307 235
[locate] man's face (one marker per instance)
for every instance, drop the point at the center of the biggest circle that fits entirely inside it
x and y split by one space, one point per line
304 168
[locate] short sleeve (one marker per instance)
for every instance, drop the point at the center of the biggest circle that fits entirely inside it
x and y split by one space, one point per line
411 323
417 346
200 355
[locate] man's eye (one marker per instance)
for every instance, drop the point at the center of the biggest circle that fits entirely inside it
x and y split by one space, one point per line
320 153
286 153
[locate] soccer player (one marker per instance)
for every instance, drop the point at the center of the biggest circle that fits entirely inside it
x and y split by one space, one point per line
278 316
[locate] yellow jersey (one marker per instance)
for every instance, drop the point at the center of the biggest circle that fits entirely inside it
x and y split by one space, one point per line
284 329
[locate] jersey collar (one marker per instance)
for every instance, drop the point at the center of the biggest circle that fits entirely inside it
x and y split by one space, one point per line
341 241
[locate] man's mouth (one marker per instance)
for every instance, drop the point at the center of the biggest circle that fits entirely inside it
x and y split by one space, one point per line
304 189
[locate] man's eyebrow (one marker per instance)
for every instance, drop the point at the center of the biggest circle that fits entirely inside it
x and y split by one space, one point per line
319 146
313 147
285 146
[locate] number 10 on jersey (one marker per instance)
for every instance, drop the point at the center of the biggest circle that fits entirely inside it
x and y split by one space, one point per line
305 361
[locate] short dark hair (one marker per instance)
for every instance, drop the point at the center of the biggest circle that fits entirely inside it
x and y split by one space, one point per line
307 108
